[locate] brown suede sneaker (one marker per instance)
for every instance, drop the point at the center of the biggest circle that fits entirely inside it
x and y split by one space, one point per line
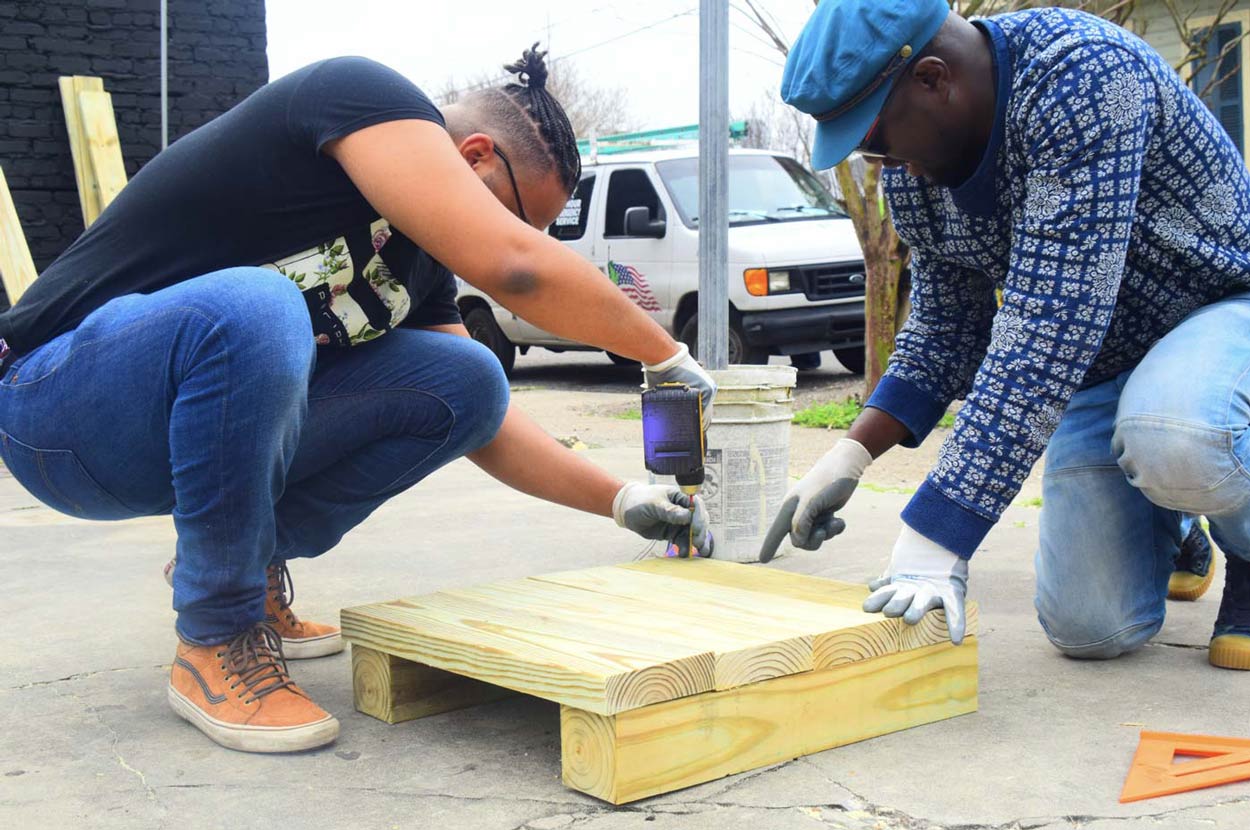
240 694
301 639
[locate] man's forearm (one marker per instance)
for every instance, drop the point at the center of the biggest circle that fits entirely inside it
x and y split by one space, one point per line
528 459
878 431
560 292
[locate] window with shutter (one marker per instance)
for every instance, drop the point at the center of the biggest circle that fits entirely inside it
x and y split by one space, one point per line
1224 96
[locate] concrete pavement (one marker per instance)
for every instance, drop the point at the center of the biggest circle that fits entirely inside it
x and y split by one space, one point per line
88 741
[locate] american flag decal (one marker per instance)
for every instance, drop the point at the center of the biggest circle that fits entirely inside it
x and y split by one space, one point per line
633 285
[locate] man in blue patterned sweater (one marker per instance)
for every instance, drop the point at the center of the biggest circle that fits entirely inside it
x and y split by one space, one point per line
1055 157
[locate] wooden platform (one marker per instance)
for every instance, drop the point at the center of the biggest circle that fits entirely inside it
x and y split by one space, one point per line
669 672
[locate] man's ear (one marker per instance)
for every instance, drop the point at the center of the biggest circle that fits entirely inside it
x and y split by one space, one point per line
477 148
933 74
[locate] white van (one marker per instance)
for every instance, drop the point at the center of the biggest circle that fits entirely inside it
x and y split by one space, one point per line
796 272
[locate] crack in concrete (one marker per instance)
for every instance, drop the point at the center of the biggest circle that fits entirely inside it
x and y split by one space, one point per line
114 740
1023 823
1189 646
80 676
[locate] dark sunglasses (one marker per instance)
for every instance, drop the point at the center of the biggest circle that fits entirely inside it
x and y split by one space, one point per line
516 191
866 147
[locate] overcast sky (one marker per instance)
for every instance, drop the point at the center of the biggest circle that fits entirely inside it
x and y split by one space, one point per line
649 47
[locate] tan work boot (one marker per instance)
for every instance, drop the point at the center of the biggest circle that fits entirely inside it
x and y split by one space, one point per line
301 639
240 695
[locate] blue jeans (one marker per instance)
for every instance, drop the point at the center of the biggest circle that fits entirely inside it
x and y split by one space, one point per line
1130 458
208 400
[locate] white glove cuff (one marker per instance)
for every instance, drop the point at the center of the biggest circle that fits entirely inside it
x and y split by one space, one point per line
849 456
618 503
918 555
683 352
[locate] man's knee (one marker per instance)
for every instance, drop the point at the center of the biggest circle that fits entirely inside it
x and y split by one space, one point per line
486 394
1178 464
1096 636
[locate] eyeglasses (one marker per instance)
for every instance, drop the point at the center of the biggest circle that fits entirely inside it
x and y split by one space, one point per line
866 147
516 191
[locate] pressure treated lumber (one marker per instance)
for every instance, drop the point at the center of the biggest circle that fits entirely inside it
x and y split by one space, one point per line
567 667
17 269
103 147
743 651
839 633
396 690
669 673
661 748
759 579
88 196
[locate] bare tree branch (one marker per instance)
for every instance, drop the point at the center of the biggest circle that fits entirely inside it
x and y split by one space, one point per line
754 14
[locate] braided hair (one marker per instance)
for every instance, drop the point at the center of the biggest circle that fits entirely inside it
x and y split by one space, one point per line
524 111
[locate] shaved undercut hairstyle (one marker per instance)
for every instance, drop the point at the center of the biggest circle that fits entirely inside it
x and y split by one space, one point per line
530 121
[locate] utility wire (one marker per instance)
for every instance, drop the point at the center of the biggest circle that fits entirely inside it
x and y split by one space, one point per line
554 61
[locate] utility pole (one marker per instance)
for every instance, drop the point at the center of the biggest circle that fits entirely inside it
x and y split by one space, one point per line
713 345
164 74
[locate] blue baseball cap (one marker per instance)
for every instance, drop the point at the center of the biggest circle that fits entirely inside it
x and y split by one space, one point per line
845 61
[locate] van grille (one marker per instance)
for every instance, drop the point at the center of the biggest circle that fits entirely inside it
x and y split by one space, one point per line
833 282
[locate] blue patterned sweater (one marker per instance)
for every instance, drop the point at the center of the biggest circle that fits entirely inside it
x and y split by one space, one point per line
1109 205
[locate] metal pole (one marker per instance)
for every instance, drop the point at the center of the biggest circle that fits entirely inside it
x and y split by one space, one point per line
164 74
713 346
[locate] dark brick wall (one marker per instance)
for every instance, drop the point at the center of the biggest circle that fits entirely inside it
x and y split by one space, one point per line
216 58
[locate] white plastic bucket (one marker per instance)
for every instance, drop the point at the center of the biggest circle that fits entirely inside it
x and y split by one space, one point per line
748 456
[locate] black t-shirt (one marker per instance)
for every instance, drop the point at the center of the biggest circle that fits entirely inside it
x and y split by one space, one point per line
253 188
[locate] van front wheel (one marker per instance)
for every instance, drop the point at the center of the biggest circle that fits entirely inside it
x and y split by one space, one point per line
852 359
482 327
740 351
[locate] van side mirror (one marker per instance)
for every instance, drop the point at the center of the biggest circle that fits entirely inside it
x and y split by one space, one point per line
638 222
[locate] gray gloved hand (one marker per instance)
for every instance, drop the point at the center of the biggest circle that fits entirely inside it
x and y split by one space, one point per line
922 576
807 512
682 368
662 511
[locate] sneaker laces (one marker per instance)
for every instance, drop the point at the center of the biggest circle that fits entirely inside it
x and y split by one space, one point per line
1235 605
282 588
256 658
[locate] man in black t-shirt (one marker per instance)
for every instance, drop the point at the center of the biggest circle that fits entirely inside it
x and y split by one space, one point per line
260 336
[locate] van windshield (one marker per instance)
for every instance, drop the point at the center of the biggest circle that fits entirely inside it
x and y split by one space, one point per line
761 189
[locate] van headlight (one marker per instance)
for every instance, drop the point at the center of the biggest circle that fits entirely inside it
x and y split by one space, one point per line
761 282
778 282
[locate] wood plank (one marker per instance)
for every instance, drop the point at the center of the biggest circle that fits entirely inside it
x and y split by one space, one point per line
743 651
839 634
615 644
395 690
17 269
680 743
764 580
88 197
932 629
759 579
103 147
563 667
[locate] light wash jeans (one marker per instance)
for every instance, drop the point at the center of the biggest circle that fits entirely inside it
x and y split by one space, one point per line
1129 458
208 400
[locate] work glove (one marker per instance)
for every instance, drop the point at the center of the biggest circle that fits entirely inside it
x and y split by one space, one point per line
683 368
807 511
922 576
663 512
